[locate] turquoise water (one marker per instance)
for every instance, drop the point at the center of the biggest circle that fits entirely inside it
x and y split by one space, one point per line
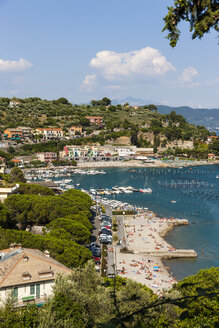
196 192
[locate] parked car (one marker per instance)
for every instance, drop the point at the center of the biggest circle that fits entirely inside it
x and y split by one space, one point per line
105 218
94 244
104 239
106 223
96 259
105 231
96 252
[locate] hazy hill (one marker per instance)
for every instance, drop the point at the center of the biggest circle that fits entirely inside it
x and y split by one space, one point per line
198 116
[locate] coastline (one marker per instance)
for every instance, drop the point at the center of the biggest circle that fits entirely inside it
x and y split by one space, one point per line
144 249
138 163
130 163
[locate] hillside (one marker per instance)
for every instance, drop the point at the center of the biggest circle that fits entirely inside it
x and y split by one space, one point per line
142 126
198 116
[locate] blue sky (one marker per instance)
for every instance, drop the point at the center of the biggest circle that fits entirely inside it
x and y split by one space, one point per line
86 50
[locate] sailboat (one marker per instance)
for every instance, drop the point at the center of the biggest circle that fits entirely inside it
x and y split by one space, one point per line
146 190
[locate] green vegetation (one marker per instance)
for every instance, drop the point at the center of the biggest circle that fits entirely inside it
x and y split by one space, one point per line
15 176
201 15
34 189
24 210
143 126
84 299
66 216
77 230
214 147
62 249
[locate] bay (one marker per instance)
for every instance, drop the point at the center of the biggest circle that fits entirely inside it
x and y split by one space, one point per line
196 192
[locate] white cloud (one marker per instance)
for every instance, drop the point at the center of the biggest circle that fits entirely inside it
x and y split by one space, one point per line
188 75
14 65
213 82
89 81
145 62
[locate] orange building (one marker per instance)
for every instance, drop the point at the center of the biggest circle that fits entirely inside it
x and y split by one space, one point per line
13 134
75 129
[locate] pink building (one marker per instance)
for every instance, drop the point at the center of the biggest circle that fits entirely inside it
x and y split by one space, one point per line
95 119
47 157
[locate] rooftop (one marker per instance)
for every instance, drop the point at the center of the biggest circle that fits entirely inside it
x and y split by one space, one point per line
17 262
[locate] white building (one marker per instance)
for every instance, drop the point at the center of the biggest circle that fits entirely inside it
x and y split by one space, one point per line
28 274
6 192
125 152
14 103
50 133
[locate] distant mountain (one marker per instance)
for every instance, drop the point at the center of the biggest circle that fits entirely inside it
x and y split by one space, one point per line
198 116
133 101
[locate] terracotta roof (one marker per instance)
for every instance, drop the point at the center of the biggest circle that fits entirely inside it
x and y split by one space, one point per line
15 160
53 129
21 260
98 117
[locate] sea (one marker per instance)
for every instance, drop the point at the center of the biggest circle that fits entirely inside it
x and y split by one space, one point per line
194 189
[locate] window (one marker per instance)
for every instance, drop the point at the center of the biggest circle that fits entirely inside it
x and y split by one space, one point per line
15 293
32 289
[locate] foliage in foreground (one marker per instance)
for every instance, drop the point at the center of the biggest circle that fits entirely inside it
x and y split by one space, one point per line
201 15
84 300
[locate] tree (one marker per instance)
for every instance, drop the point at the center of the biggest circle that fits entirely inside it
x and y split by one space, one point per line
201 15
16 175
152 107
84 121
76 230
105 101
61 100
34 189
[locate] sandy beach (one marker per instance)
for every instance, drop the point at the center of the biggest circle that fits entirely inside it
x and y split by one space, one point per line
145 248
138 163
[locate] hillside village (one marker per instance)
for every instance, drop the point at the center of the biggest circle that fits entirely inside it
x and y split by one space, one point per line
35 131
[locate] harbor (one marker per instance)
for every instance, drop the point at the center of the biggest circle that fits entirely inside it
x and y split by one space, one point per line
188 193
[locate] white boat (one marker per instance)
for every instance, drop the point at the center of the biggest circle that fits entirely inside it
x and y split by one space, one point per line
146 190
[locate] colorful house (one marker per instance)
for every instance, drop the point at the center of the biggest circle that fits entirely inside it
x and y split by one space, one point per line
13 134
75 130
47 156
95 119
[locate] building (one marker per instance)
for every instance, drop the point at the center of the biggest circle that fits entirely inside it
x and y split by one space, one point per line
95 119
19 133
13 134
16 161
76 152
125 152
211 156
28 273
144 152
27 132
47 156
212 138
14 103
2 167
75 130
5 192
50 133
